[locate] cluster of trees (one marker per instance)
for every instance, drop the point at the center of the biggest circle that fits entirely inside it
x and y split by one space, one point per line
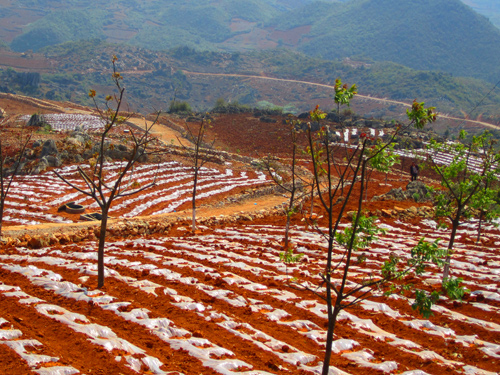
179 107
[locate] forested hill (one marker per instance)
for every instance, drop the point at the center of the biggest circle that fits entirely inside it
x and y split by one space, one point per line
444 35
152 24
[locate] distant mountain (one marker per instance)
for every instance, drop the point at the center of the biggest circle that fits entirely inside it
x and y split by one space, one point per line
488 8
154 24
442 35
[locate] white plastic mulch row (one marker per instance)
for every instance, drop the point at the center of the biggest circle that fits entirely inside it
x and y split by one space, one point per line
181 193
98 334
489 348
192 345
262 340
320 309
32 196
364 357
440 158
70 121
212 249
274 314
22 346
25 214
165 329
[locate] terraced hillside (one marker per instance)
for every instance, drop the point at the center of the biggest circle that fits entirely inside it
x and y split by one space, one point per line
36 199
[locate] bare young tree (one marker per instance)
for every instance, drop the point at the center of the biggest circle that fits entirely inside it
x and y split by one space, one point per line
11 154
197 154
288 178
105 190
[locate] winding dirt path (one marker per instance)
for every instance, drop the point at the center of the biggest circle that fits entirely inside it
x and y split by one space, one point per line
386 101
163 132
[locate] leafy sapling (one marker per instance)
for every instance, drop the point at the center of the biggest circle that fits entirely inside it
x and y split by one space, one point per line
331 175
383 160
424 301
367 232
288 257
453 288
465 185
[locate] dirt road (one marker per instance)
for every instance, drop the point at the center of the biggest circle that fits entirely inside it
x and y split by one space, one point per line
163 132
367 97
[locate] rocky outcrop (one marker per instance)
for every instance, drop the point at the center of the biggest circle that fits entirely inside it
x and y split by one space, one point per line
418 191
49 148
415 190
36 120
78 135
49 157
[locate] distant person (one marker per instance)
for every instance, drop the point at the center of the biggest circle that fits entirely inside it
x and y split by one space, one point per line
414 170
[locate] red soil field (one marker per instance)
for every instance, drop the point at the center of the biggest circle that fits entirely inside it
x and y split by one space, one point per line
220 301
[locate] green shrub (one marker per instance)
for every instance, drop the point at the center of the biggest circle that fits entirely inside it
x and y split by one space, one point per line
453 288
177 107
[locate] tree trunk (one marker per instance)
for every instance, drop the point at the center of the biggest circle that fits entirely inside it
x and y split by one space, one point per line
289 214
100 250
312 200
287 230
332 315
329 339
1 217
195 182
446 270
478 229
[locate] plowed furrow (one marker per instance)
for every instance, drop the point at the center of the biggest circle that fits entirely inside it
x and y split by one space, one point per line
135 334
195 346
72 347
